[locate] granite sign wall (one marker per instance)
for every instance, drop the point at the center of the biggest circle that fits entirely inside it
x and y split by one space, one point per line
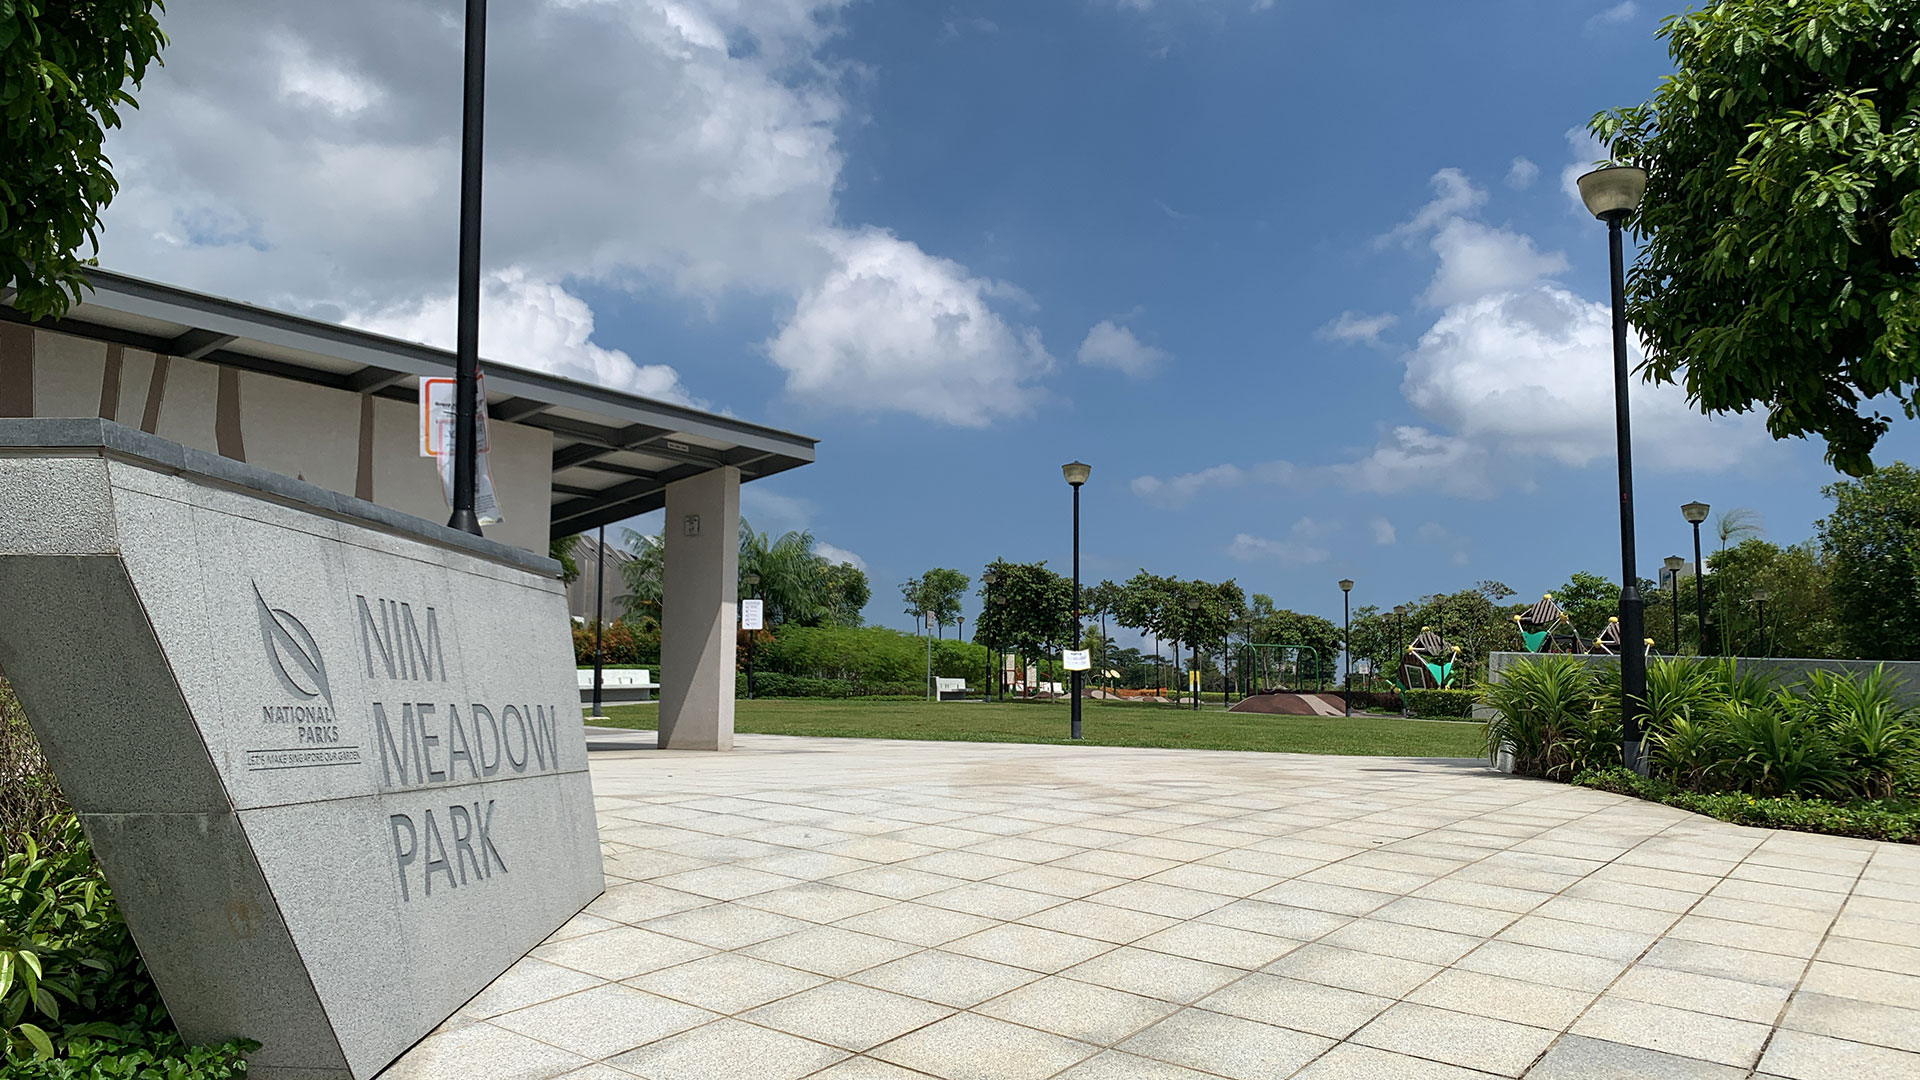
330 757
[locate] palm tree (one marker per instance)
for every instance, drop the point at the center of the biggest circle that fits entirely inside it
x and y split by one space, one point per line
1736 523
793 579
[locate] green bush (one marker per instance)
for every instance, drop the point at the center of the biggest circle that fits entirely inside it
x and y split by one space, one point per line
30 797
866 656
1871 819
774 684
1537 706
1440 704
634 644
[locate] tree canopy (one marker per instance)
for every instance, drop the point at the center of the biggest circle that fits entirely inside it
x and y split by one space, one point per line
1031 611
66 69
1873 542
936 592
1781 221
798 585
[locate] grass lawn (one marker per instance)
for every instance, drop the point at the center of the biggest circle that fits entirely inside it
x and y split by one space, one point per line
1103 723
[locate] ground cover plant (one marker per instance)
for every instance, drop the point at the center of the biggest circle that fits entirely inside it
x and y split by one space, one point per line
1830 752
1106 724
75 998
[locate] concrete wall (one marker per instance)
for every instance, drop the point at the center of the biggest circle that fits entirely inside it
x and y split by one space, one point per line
350 443
1905 674
699 598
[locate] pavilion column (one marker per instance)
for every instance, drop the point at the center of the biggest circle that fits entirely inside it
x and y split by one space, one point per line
699 593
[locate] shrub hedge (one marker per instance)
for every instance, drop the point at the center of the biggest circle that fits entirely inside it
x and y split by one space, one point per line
1870 819
1441 704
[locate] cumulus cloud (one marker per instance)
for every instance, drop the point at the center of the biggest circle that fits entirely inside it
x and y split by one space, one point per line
1108 344
893 328
839 555
1616 15
1383 531
1354 328
287 157
1515 371
534 324
1583 150
1296 550
1521 174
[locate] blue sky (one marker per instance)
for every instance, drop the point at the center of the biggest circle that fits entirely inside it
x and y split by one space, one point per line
1303 282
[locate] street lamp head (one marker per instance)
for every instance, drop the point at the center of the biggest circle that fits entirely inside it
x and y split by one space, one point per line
989 578
1076 472
751 580
1613 192
1762 596
1193 605
1695 512
1674 564
1346 584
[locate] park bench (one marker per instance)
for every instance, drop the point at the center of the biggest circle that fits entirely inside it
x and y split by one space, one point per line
619 686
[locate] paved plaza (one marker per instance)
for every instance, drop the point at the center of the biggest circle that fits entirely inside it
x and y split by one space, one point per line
869 910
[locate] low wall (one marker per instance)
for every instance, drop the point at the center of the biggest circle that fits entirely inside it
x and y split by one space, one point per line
1904 674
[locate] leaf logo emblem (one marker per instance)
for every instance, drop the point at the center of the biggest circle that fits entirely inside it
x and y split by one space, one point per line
287 640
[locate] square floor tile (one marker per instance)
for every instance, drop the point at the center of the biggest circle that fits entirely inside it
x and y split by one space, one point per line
1302 1006
1279 920
1320 897
726 882
1496 1046
620 953
1056 880
815 902
1533 964
1797 1055
1077 1010
917 924
1368 973
1116 1065
946 978
847 1015
1854 1021
1401 940
726 982
1752 1002
604 1021
866 1068
482 1050
829 950
970 1047
1168 900
1674 1031
898 882
726 926
991 901
1227 1045
1350 1061
728 1050
528 982
639 901
1503 999
1578 1058
1218 944
1155 975
1085 918
1028 947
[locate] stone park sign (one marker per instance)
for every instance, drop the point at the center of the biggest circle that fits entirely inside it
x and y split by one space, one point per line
329 756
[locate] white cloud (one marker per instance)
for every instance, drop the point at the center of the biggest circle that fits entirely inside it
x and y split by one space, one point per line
1291 552
1477 259
1353 327
1453 196
1179 490
839 555
533 324
1110 345
1616 15
893 328
1410 458
287 157
1383 531
1522 173
1585 150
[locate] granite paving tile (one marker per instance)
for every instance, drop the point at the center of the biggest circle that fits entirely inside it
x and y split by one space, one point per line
726 982
847 1015
1227 1045
967 1046
719 1050
1496 1046
1077 1010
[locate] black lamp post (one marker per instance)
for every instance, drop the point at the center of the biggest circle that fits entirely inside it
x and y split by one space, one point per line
1674 565
1000 675
466 365
1760 598
1400 651
1193 673
993 667
1346 641
1695 513
1613 194
1076 473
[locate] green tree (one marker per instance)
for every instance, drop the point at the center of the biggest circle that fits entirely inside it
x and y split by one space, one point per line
847 593
1872 539
797 584
1032 610
562 551
66 69
1800 619
1782 215
936 592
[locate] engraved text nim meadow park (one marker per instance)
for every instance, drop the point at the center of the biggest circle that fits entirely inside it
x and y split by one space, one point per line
421 738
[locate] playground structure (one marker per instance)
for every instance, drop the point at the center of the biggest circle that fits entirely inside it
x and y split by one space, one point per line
1273 668
1428 662
1551 631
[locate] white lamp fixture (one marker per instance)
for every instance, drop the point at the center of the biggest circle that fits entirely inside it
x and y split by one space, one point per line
1076 472
1695 512
1614 191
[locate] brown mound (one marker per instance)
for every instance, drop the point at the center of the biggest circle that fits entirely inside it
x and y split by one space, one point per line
1275 704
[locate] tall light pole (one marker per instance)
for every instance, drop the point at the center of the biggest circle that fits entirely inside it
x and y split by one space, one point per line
987 578
1193 608
1000 658
1612 194
1674 565
1076 473
1760 597
752 582
1400 651
1346 641
1695 513
466 372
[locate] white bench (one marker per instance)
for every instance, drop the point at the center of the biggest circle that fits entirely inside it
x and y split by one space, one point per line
619 686
949 689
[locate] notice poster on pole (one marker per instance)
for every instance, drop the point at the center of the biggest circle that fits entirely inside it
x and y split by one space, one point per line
751 614
1076 659
439 421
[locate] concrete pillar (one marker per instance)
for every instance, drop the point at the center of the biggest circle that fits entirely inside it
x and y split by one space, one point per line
698 597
